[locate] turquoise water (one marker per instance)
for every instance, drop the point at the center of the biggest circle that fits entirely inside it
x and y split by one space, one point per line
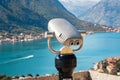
33 57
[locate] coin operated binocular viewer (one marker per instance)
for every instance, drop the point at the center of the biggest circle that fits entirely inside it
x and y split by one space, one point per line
66 34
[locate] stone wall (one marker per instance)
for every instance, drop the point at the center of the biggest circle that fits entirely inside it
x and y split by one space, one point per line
102 76
82 75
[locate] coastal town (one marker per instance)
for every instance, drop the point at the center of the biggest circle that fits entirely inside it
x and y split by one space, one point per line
7 38
110 65
109 29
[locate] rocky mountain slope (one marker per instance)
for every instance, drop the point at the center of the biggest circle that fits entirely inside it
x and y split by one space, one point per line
106 12
78 7
21 15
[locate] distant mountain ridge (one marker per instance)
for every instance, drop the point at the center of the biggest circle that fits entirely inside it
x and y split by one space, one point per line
78 7
29 14
106 12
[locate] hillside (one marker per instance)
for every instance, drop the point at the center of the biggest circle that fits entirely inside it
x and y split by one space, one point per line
106 12
30 15
78 7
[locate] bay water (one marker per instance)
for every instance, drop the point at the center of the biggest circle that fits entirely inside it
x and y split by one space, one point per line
34 57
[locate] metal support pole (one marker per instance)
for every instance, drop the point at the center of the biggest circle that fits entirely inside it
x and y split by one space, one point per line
65 64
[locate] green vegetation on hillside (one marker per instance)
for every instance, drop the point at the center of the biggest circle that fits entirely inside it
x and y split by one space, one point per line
25 16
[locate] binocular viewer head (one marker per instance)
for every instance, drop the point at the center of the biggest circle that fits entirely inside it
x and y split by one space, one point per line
64 32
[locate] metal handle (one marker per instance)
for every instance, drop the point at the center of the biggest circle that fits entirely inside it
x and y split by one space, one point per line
50 47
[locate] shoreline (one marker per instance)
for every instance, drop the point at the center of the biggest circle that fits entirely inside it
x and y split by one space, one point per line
21 38
29 37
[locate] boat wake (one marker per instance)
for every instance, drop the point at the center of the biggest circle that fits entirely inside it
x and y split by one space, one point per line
21 58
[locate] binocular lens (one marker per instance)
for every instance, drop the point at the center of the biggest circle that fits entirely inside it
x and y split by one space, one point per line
77 42
71 42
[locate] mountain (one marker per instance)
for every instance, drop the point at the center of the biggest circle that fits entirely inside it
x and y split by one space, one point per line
106 12
14 17
78 7
18 16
